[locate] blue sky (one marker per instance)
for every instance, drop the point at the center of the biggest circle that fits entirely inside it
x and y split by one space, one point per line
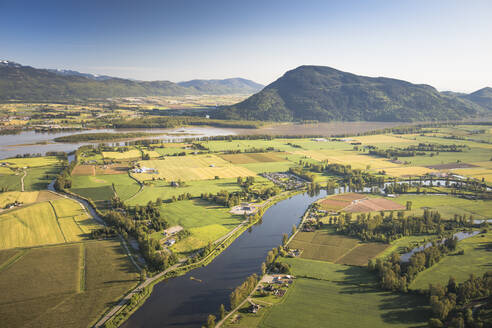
447 44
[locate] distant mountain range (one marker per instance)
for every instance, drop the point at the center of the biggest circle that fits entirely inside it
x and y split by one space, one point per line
234 85
326 94
25 83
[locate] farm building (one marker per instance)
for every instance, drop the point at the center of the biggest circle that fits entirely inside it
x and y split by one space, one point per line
170 242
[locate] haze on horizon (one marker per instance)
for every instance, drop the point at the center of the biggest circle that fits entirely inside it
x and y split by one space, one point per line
446 44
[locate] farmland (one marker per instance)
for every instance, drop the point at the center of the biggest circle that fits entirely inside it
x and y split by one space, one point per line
125 155
49 222
475 260
342 295
99 188
333 284
31 162
205 221
57 291
247 158
447 206
38 178
163 189
326 245
358 203
193 167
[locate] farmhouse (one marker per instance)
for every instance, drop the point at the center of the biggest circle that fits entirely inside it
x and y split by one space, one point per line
144 169
254 308
170 242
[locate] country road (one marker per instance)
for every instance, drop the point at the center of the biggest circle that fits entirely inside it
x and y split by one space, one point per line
22 179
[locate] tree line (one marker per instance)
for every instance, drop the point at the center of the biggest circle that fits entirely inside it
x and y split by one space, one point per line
463 305
384 228
396 275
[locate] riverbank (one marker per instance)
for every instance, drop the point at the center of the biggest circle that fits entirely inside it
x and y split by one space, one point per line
122 312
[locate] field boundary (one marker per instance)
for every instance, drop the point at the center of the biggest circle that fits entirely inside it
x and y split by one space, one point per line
139 183
82 268
16 257
78 225
58 221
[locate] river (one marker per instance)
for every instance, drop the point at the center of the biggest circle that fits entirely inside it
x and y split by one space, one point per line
42 142
183 302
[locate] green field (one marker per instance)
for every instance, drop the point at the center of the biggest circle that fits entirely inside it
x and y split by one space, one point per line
476 260
206 222
163 190
50 222
400 245
99 188
38 178
11 182
448 206
64 286
333 295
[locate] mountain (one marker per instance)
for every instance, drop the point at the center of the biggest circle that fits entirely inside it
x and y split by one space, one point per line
68 72
227 86
325 94
483 97
25 83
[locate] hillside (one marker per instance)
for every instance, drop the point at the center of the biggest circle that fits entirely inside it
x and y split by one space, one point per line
483 97
226 86
25 83
326 94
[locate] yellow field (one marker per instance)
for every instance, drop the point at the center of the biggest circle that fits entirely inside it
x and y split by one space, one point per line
357 161
477 173
50 222
71 230
68 208
174 145
407 171
380 139
27 197
151 153
134 153
30 226
5 171
32 161
314 154
86 224
483 164
187 168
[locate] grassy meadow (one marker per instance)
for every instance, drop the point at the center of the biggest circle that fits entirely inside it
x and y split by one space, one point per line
102 188
475 260
448 206
163 190
206 222
334 295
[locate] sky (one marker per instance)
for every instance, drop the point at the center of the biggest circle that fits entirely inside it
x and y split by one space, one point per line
447 44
